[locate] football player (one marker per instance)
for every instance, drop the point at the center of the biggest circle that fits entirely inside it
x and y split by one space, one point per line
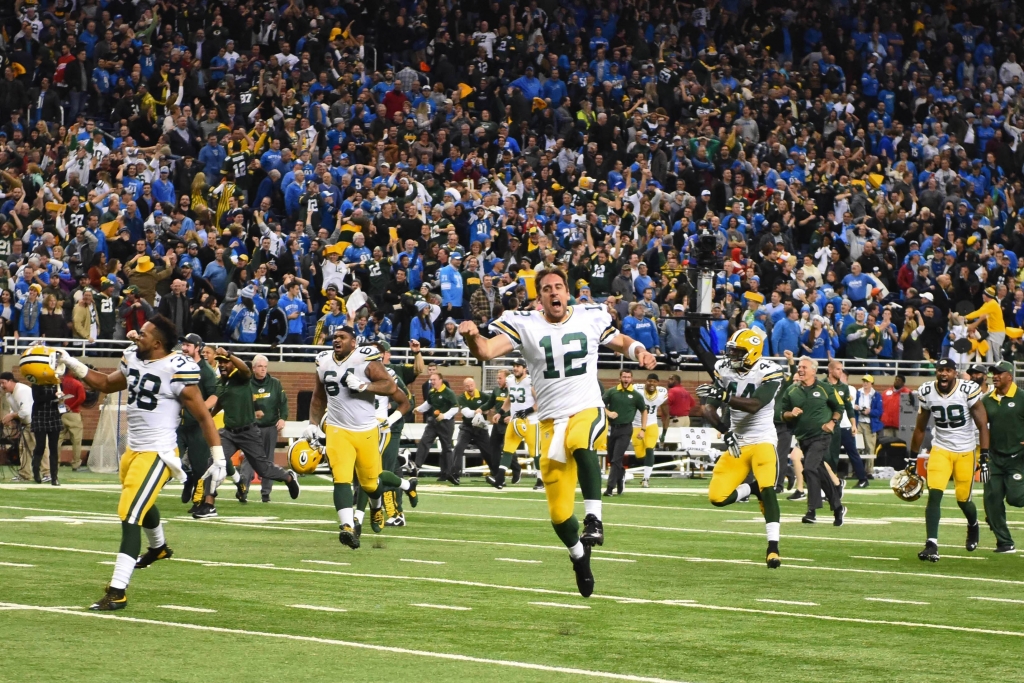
560 344
958 411
523 425
159 382
747 384
644 440
348 378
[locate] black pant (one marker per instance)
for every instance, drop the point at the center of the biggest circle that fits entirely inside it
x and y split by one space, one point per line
37 455
249 440
471 436
815 475
497 446
441 430
619 437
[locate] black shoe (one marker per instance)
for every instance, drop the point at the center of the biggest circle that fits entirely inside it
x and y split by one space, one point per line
54 482
1005 549
772 557
973 536
593 531
779 489
584 577
348 537
454 479
204 511
358 529
293 485
539 486
796 495
414 498
188 489
840 516
113 600
842 488
862 484
517 475
497 482
809 518
442 480
930 553
607 493
241 493
152 555
192 510
264 498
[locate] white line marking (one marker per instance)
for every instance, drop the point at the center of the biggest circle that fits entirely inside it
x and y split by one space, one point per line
182 608
512 559
55 547
963 557
15 564
403 559
897 602
872 557
111 564
333 564
798 559
611 559
559 604
318 608
1016 602
363 646
789 602
451 607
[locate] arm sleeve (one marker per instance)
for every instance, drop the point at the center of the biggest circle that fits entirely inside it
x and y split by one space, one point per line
508 326
450 413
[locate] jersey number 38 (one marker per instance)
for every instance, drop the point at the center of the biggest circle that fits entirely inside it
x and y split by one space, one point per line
142 390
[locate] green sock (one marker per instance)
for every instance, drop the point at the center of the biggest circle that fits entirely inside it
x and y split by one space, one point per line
771 504
933 513
568 531
390 479
342 496
131 539
649 458
588 473
506 459
536 462
229 467
970 511
361 500
730 500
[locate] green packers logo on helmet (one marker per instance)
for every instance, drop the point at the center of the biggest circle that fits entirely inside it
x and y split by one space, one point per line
304 458
39 366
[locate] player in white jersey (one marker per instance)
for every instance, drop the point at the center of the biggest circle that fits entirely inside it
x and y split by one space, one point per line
644 440
747 384
159 382
348 380
560 345
523 425
961 426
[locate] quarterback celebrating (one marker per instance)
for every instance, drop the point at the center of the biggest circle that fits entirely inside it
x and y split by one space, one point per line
747 384
957 407
348 380
560 345
159 382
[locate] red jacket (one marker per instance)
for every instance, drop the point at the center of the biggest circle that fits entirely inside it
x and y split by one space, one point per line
75 392
679 402
891 406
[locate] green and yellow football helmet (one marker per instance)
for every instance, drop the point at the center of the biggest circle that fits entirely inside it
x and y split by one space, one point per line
40 366
744 349
303 458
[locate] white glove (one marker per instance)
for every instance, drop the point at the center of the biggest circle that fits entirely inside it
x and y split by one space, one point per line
77 368
218 469
313 433
479 420
353 382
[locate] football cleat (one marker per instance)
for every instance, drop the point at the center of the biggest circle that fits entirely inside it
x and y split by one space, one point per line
348 537
377 519
930 553
584 577
358 529
241 493
293 485
593 532
497 482
152 555
539 486
772 558
188 489
204 511
517 475
113 600
397 520
840 516
645 484
414 498
1005 549
973 536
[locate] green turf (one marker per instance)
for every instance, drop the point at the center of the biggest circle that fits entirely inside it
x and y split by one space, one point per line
678 548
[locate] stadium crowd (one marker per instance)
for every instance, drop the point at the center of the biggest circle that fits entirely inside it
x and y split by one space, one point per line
265 172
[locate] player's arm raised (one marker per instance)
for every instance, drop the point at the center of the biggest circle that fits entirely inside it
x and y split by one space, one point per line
239 364
633 350
480 347
108 384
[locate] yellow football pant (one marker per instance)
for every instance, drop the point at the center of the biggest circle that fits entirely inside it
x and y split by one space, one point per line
943 464
730 471
650 440
520 430
355 454
559 478
142 475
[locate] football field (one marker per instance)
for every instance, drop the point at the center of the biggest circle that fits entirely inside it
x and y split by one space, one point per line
477 587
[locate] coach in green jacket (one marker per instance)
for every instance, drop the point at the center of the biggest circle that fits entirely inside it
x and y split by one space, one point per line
622 403
1003 470
440 408
271 405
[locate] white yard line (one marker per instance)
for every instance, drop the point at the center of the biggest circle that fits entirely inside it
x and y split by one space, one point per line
343 643
318 608
333 564
797 559
431 606
403 559
512 559
789 602
872 557
1015 602
963 557
15 564
559 604
182 608
611 559
897 602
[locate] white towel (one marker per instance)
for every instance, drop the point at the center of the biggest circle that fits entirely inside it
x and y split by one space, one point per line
556 449
173 463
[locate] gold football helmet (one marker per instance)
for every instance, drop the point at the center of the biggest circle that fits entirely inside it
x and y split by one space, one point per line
907 484
40 365
744 349
303 458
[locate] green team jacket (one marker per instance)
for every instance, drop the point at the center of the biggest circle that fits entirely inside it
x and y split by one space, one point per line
208 378
1005 421
625 402
819 402
268 395
481 400
443 400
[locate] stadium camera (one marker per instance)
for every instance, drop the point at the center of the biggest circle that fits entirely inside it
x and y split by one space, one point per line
702 278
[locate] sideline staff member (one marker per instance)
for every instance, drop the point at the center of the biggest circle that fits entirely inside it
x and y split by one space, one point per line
1002 472
622 402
